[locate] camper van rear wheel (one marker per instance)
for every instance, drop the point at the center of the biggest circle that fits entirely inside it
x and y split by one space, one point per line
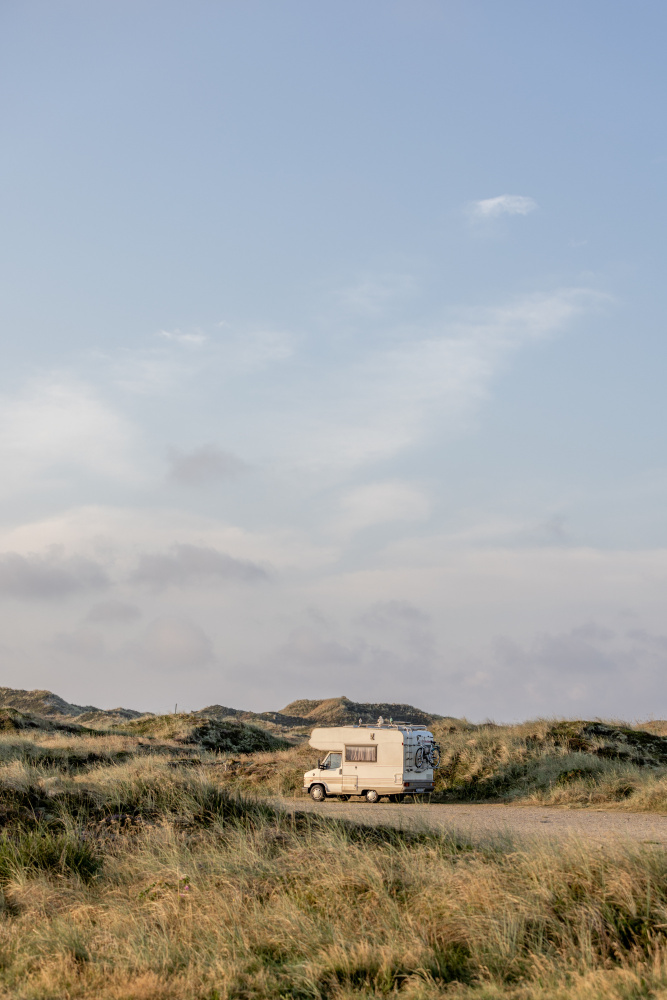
317 793
372 795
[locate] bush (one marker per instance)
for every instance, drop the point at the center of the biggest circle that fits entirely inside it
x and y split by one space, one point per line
43 851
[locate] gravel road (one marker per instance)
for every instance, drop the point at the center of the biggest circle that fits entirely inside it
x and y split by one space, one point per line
490 822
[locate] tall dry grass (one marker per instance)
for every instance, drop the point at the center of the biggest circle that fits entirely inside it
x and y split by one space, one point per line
534 762
530 763
141 881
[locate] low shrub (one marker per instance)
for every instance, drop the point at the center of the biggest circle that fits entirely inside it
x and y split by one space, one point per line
53 853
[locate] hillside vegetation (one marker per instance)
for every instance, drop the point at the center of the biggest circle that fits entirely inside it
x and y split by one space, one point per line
570 762
138 878
296 720
343 712
194 729
561 763
49 705
135 865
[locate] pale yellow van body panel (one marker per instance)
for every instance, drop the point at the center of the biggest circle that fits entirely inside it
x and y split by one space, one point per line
393 772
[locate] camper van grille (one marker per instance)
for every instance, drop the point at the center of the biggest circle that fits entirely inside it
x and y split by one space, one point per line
361 753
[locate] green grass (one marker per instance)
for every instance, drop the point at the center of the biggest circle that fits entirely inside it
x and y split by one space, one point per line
228 736
43 851
552 762
136 866
144 881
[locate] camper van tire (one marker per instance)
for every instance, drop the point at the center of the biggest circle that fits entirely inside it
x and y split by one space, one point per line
317 793
372 796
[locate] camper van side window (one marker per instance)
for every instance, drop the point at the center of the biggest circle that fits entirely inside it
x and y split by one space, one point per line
361 753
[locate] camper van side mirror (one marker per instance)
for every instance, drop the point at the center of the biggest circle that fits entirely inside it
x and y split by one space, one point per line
319 764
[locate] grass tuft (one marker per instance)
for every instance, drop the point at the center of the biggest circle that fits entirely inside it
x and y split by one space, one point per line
60 854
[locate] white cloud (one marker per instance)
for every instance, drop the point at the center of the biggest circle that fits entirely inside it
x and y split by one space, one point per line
195 339
58 425
391 396
158 370
117 534
504 204
380 503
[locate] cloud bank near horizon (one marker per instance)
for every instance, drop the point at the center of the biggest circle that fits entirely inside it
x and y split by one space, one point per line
318 571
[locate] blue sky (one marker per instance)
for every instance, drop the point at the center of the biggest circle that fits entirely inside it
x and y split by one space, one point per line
334 354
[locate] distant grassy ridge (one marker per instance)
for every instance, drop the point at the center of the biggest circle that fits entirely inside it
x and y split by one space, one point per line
295 720
341 711
560 762
47 704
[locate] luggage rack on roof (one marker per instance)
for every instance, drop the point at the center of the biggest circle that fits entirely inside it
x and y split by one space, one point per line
387 725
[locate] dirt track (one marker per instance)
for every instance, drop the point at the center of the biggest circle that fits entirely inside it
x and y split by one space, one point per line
490 822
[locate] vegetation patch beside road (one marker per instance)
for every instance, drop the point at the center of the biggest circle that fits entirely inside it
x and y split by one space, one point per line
134 878
144 859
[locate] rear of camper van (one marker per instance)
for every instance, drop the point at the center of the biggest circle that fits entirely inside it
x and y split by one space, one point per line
388 760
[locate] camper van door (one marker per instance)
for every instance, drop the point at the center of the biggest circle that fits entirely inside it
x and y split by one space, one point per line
332 772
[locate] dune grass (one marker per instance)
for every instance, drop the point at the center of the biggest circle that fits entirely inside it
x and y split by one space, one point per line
547 762
214 734
140 881
139 868
552 762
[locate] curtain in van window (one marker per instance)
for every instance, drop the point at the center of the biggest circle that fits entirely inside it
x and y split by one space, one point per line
361 753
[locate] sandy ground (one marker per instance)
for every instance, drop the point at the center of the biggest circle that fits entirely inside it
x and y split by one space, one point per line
492 822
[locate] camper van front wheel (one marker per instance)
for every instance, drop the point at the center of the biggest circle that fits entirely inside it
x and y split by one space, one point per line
372 795
317 793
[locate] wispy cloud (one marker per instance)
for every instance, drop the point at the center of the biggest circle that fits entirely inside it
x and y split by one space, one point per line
193 339
382 503
372 296
158 369
203 466
387 397
48 576
57 425
194 564
504 204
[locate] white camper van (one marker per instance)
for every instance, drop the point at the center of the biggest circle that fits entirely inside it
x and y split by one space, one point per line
390 759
